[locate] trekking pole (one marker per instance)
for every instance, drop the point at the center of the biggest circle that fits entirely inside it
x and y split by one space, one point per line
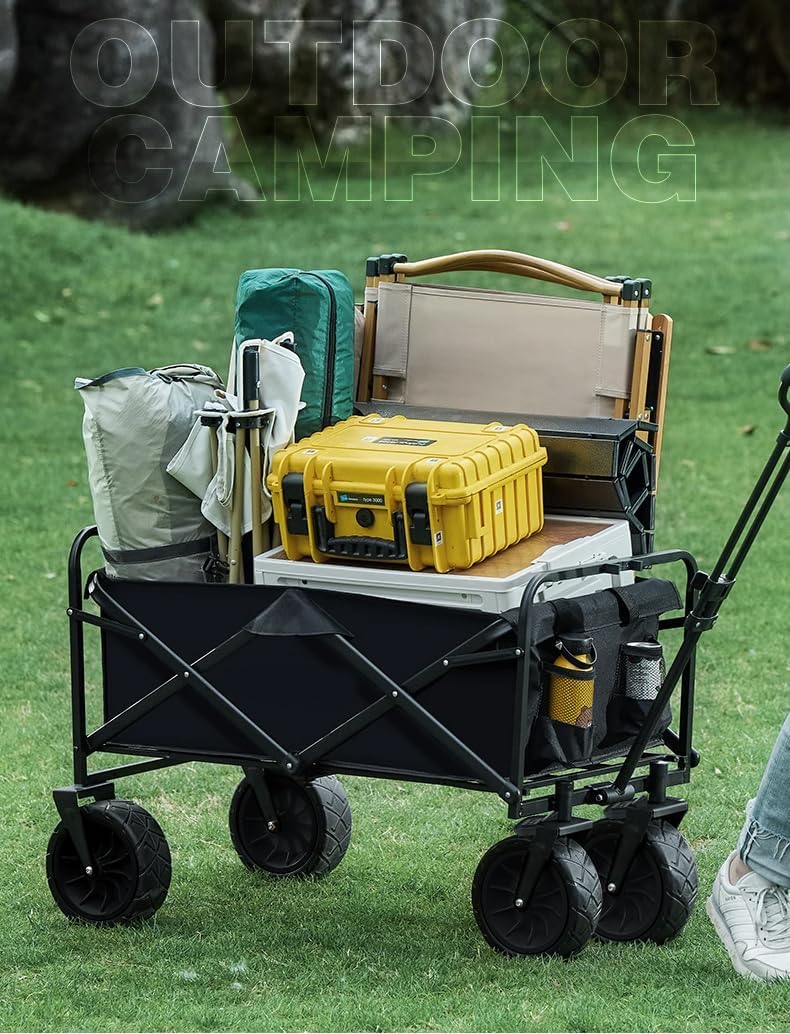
251 380
236 576
237 508
211 418
713 589
222 538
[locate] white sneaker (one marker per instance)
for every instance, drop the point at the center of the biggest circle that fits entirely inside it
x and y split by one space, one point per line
752 918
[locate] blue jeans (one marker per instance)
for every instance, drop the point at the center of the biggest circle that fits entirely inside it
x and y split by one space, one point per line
764 843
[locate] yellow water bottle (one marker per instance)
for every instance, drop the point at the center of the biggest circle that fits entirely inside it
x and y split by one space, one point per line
572 682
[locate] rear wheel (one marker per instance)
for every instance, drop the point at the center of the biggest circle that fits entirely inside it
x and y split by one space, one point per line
560 916
131 866
659 889
312 829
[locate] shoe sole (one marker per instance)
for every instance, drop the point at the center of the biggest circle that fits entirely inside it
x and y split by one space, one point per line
725 936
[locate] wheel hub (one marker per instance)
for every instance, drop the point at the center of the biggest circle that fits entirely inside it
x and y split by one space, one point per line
630 910
282 845
104 889
516 927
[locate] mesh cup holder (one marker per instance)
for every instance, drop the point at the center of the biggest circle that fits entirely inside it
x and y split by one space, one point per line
640 670
639 675
562 735
570 695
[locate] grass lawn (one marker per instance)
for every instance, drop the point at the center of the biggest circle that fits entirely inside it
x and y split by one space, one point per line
388 941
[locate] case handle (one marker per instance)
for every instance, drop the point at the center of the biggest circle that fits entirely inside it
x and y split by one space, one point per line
514 263
358 546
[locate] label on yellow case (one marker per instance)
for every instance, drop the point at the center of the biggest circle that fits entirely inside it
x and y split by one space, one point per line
421 443
361 498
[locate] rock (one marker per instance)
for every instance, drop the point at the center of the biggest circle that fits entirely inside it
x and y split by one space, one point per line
80 130
463 48
239 26
92 144
349 72
8 45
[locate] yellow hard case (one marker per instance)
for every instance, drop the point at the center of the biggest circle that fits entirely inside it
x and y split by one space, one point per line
417 492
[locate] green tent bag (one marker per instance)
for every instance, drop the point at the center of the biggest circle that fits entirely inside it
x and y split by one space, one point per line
319 308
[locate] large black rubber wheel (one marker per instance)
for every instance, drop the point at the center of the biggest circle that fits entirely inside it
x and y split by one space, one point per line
659 889
131 865
313 826
561 915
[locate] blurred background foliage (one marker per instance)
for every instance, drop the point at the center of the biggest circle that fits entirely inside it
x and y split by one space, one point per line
598 44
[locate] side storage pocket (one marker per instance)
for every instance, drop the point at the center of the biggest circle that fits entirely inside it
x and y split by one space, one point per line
562 735
555 744
640 674
626 717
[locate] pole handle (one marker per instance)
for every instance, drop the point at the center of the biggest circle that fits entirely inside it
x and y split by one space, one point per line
250 376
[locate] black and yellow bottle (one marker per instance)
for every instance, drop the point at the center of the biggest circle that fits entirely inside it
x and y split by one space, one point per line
572 682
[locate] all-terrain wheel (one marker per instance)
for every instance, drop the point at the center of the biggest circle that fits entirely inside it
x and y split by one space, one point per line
131 865
313 828
659 889
560 916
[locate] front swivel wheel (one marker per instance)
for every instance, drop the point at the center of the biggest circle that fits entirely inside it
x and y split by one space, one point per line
131 869
659 889
560 915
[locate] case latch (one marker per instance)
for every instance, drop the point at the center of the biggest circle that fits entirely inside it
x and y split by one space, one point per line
419 520
295 505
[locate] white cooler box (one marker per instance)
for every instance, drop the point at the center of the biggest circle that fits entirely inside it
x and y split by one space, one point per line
494 585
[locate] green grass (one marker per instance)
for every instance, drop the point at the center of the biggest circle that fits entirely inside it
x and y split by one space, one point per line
388 941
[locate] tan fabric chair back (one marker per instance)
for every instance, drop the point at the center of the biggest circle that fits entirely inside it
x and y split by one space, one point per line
460 348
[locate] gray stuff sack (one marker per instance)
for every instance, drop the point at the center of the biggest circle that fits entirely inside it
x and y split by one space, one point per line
150 526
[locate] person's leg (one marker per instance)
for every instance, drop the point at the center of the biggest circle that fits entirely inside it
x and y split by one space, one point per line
749 905
764 843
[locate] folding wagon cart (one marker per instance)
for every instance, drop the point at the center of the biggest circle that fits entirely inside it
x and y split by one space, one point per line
298 686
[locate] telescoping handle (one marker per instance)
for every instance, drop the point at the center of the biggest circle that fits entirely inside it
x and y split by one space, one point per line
513 263
766 489
713 589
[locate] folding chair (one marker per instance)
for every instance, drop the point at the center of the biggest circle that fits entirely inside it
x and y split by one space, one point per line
448 347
